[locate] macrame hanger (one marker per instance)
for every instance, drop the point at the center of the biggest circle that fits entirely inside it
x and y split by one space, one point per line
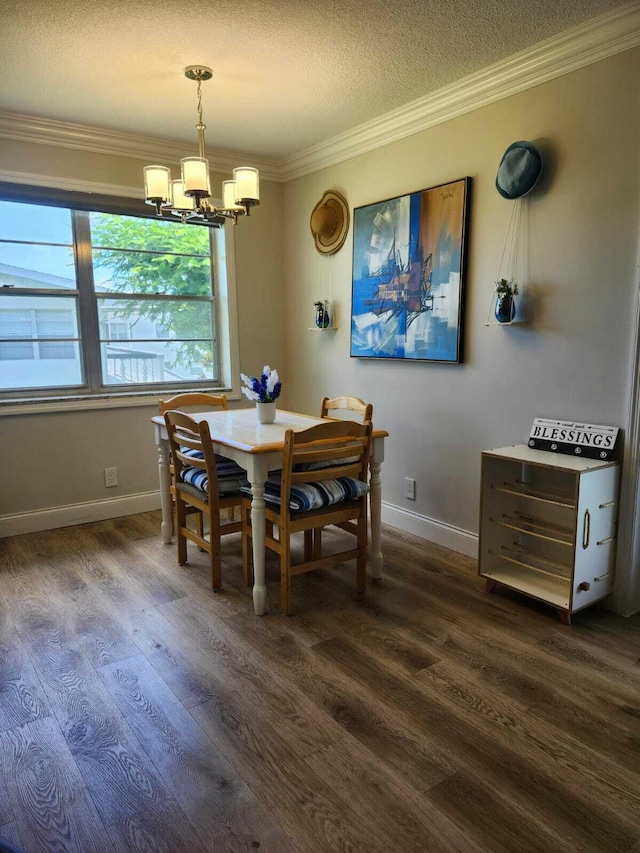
327 285
511 243
524 242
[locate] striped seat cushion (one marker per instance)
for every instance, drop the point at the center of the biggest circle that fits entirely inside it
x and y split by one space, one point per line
304 497
231 477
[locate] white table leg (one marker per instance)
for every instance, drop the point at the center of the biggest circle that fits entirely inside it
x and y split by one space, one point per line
257 537
375 505
165 491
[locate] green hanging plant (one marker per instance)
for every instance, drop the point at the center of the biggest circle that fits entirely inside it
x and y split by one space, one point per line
504 287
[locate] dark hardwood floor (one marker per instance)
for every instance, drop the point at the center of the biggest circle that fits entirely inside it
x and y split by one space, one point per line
141 712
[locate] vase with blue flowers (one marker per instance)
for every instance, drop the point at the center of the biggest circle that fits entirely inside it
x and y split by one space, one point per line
265 390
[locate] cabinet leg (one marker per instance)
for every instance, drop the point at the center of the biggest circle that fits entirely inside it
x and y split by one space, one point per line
491 585
564 616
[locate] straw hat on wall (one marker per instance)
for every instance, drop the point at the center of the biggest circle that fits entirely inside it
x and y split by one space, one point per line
330 222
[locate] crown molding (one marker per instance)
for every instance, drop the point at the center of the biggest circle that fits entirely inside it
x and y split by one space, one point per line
43 131
583 45
599 38
71 184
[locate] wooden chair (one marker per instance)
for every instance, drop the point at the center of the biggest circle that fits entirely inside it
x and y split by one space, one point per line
198 486
297 500
346 404
180 402
338 406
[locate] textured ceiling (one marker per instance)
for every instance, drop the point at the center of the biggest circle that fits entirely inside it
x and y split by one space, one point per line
288 74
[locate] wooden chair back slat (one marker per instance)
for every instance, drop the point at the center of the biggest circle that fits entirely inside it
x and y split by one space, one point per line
193 400
332 473
337 451
331 406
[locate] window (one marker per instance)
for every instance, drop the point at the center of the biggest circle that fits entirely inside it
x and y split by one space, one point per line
35 324
95 302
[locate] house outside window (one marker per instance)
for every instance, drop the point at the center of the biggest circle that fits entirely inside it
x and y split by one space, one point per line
95 302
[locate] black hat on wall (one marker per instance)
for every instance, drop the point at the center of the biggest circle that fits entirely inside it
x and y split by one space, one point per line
519 170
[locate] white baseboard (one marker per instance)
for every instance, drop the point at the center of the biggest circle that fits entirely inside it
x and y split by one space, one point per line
65 516
443 534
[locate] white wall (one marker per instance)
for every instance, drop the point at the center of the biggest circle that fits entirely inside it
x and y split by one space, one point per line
572 362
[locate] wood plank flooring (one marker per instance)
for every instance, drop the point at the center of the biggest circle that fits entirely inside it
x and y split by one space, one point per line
141 712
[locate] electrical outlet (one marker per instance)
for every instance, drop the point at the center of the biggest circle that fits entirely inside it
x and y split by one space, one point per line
110 477
410 489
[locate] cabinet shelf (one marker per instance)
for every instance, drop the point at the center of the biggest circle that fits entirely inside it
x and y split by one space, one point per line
548 589
532 527
535 493
536 563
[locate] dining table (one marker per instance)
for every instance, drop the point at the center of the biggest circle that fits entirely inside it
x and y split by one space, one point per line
258 449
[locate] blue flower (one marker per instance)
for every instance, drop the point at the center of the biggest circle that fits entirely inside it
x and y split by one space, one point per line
266 389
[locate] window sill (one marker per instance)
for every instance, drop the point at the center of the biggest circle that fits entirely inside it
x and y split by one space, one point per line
99 401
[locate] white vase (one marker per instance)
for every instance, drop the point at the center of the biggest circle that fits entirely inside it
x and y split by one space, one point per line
266 412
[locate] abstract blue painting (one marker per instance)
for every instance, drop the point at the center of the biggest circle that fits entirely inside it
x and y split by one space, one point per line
408 275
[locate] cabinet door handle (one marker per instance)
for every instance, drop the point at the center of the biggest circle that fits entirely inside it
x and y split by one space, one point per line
586 529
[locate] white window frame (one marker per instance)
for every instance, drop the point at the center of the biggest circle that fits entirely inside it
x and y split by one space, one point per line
225 319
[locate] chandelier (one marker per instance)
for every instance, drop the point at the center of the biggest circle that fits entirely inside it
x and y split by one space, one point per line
188 197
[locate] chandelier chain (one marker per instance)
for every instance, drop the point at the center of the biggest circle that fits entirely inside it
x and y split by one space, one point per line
200 100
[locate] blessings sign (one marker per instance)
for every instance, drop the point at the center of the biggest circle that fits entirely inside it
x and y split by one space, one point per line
578 439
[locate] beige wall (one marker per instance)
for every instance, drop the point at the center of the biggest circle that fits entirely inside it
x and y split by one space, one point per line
57 459
572 362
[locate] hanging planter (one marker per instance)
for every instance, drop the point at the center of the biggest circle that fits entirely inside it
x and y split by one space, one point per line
322 314
505 310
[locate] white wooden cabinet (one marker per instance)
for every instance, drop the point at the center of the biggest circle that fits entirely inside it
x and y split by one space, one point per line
548 526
